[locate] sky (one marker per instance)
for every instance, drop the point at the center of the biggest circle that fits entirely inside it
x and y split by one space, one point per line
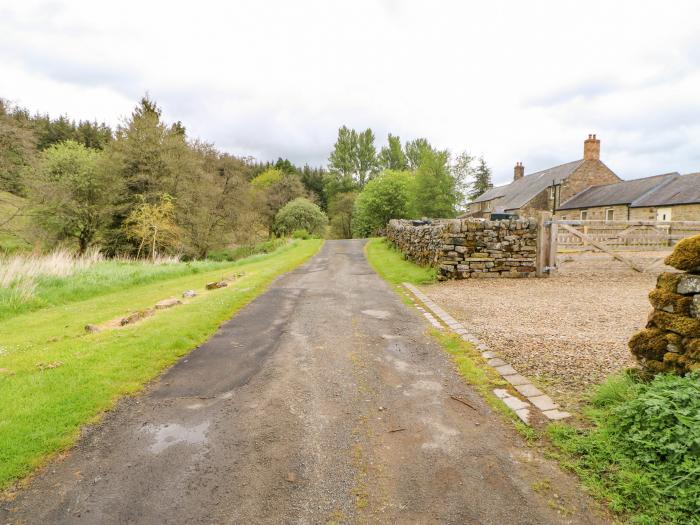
507 80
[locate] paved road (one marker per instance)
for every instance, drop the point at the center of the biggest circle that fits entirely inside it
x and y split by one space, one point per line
323 401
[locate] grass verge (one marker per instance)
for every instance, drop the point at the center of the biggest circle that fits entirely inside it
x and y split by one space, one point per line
391 265
54 377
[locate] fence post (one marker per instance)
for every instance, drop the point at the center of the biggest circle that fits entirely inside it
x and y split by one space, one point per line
543 243
553 246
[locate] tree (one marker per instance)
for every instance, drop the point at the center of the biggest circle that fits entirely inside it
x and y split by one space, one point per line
343 159
366 160
462 171
17 148
72 192
151 159
388 196
436 189
415 150
340 210
217 204
267 178
392 156
153 226
482 180
300 214
314 180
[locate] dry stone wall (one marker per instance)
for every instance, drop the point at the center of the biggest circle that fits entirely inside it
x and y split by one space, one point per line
469 248
671 340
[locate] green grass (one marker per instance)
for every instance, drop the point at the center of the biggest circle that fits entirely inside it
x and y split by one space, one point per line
246 250
102 278
391 265
641 452
43 409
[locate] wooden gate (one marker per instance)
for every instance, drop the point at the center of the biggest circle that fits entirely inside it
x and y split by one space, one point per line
611 237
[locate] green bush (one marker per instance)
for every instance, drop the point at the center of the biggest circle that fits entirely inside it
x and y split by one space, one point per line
390 195
301 234
643 454
300 214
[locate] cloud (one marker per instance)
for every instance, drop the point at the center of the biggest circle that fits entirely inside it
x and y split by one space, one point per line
507 80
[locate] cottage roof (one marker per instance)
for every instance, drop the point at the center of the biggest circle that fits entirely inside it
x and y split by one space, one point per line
681 190
625 192
518 193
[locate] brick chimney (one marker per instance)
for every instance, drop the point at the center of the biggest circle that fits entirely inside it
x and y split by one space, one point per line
591 148
519 171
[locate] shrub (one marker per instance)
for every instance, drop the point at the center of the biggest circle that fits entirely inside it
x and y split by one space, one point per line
300 214
644 453
301 234
387 196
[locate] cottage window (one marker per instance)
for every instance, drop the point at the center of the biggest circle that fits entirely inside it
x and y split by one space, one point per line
584 215
488 205
609 215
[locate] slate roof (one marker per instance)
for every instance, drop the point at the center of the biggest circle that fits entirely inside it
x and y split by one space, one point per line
518 193
625 192
681 190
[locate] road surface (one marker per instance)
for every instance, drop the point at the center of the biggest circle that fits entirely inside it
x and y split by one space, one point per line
323 401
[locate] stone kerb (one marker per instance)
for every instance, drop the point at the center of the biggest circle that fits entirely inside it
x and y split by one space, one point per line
469 248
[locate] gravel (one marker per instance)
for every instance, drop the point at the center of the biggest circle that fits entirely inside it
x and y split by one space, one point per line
567 332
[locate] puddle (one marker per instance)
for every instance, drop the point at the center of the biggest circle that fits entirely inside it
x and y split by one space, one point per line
165 436
379 314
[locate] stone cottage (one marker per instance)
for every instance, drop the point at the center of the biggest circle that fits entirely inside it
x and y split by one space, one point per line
668 197
545 190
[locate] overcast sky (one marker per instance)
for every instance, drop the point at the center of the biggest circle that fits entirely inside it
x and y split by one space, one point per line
512 81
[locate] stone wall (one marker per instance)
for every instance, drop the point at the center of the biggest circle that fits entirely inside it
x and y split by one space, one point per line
469 248
671 340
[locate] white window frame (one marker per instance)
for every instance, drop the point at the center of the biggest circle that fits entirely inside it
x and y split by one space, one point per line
610 211
584 215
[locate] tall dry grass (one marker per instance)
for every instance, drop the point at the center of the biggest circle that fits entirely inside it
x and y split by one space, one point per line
22 270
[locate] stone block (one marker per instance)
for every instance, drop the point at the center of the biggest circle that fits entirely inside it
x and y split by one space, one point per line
514 403
688 284
516 379
506 370
496 361
543 402
529 390
555 414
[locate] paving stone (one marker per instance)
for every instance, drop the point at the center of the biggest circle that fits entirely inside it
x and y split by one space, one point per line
506 370
516 379
528 390
488 355
556 414
514 403
543 402
500 393
496 361
524 415
482 346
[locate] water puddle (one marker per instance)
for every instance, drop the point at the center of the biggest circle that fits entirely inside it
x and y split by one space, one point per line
165 436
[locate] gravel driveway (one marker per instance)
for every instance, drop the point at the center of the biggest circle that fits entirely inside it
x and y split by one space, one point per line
566 332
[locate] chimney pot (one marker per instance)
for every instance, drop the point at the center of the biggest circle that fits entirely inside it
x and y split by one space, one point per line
519 171
591 148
